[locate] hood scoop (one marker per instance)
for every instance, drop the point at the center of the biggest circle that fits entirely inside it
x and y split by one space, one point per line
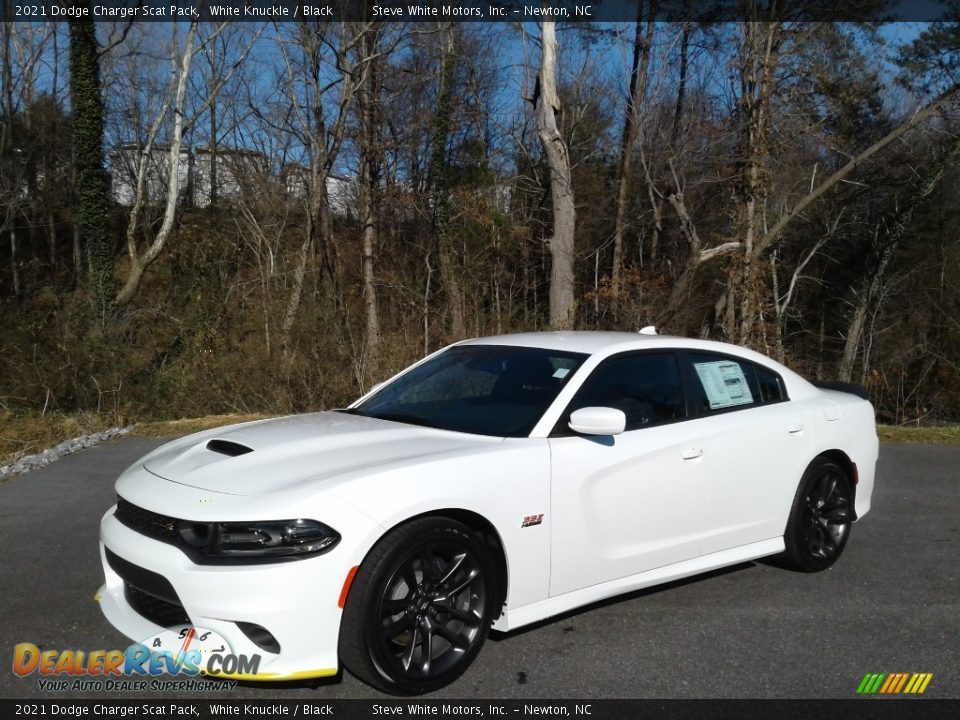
228 447
287 454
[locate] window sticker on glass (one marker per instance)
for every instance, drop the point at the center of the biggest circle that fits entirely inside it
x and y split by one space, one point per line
561 373
724 383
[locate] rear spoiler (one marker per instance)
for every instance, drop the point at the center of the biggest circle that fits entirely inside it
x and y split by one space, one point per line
851 388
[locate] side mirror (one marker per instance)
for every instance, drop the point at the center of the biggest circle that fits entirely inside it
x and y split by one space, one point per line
598 421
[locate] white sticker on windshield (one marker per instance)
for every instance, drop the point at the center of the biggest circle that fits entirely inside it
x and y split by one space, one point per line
724 383
561 373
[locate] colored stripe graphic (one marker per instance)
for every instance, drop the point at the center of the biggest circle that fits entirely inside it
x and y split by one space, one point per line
903 679
873 681
891 680
894 683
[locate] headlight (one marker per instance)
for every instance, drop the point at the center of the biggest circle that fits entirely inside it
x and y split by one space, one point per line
270 539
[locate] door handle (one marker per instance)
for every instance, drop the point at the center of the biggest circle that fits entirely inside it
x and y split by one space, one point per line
795 428
692 453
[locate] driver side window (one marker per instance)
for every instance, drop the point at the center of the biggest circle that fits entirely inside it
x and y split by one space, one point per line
646 387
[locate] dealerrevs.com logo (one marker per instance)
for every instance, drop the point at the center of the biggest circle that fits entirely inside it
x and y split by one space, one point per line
183 652
894 683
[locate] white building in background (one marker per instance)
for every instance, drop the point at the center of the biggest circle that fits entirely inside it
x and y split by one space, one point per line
341 191
294 178
503 196
236 169
342 195
125 162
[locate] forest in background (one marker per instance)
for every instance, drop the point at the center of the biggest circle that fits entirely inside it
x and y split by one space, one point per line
791 186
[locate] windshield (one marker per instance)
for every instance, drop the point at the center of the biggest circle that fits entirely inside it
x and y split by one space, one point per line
481 389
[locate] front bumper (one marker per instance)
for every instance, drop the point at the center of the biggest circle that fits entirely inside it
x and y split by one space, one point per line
297 601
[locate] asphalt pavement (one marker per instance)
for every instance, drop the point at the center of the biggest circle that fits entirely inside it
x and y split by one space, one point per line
890 604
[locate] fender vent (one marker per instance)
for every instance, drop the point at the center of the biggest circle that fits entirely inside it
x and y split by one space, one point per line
227 447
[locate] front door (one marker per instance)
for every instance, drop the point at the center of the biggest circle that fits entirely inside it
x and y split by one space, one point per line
633 502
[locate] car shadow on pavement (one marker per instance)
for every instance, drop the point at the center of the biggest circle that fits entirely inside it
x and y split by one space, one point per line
496 635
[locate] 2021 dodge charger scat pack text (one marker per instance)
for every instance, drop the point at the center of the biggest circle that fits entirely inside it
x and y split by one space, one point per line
494 483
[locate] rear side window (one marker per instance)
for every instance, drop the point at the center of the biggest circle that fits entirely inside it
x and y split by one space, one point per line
724 383
647 388
771 386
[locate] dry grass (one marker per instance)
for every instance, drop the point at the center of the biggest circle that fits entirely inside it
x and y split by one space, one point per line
178 428
27 434
938 434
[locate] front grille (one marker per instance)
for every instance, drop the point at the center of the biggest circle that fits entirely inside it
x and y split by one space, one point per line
146 522
159 612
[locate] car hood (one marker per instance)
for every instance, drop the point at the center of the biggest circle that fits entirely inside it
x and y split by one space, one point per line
284 453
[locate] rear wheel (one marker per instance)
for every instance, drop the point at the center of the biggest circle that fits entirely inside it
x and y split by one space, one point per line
419 608
821 517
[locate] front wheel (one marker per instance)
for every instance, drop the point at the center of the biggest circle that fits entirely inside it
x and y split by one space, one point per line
419 608
820 518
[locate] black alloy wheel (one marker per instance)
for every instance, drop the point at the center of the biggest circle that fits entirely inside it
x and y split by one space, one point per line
821 517
420 607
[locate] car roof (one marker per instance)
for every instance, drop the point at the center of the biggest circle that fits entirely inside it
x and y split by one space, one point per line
592 342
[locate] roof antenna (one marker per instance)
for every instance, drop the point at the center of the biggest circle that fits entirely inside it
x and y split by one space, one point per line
648 330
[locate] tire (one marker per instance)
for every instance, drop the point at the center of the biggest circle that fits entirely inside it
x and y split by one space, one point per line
821 517
420 607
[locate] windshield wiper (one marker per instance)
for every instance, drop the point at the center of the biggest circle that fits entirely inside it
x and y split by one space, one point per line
350 411
404 418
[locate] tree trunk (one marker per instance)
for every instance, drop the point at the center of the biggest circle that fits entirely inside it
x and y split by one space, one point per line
92 182
296 293
631 127
214 148
14 262
758 61
440 187
867 296
52 242
214 175
369 174
562 298
77 256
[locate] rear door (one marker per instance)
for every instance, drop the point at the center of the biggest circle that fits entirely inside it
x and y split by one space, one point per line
759 447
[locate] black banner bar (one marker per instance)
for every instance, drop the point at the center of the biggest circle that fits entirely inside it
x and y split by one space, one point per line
314 709
473 10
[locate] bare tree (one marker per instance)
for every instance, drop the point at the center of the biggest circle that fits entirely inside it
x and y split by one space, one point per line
440 185
92 183
642 41
885 243
760 57
368 83
318 125
176 101
562 293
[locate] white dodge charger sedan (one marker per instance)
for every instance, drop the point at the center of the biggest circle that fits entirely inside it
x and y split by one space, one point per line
494 483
